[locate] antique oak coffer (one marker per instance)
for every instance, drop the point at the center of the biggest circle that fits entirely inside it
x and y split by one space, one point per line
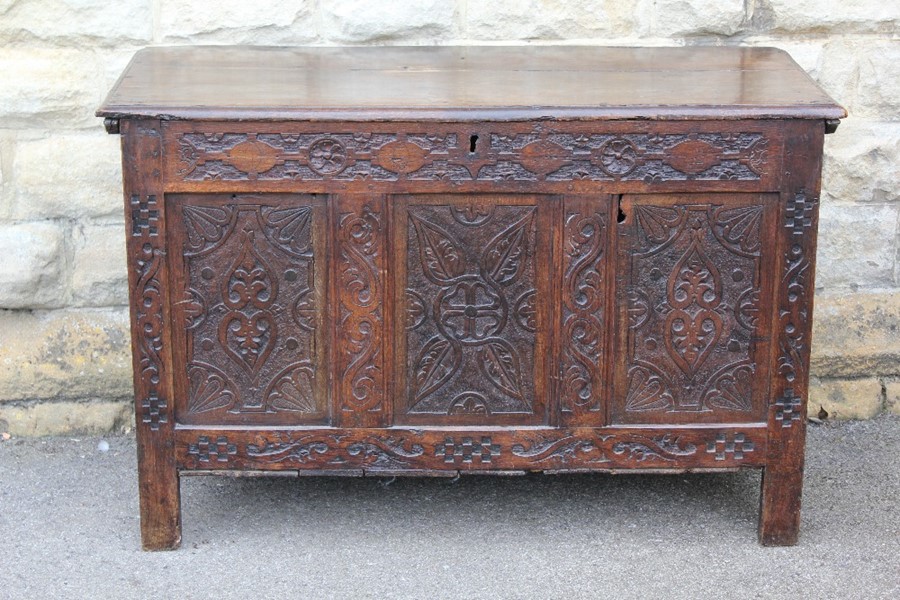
428 261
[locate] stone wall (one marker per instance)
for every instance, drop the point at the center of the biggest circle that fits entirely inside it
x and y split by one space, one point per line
64 353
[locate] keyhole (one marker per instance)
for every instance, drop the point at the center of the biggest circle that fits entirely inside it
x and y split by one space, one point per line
621 216
472 141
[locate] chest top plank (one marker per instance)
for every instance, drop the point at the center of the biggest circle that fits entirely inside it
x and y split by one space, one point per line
466 83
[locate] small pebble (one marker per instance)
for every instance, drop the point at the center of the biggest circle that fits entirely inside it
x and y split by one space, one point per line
103 446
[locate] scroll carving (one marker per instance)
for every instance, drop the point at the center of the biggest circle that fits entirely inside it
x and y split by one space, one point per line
360 238
583 322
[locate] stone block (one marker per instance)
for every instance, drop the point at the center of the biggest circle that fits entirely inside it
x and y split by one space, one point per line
238 21
32 270
68 175
878 95
862 162
44 87
853 16
99 277
88 22
686 18
892 395
838 71
550 19
66 418
358 21
846 398
857 245
856 334
65 355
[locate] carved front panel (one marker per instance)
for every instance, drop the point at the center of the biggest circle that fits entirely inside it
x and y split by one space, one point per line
470 309
693 331
249 309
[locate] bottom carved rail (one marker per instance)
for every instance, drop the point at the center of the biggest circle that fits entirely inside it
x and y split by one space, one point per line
395 450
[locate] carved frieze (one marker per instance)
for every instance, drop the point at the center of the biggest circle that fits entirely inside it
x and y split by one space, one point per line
539 155
388 450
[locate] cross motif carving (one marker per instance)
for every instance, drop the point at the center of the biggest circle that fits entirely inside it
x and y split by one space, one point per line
154 411
206 451
144 216
722 446
468 450
787 408
471 311
799 213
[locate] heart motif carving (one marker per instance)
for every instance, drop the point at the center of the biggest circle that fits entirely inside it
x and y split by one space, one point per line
248 339
690 339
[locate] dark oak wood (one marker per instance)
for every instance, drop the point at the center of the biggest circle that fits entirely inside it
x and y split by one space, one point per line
465 83
432 261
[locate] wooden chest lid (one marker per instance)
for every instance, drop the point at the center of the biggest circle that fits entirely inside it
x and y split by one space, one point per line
465 84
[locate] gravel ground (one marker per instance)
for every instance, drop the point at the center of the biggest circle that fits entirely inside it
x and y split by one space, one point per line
69 529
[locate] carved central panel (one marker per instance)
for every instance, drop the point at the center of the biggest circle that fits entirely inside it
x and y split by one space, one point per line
249 300
470 310
693 322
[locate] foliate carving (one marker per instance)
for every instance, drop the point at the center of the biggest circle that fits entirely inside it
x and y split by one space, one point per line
289 228
250 277
694 292
582 314
205 226
618 157
732 387
469 403
474 352
693 307
526 311
648 388
386 452
327 156
210 388
293 388
302 450
662 448
536 156
360 242
416 311
248 332
437 362
564 450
